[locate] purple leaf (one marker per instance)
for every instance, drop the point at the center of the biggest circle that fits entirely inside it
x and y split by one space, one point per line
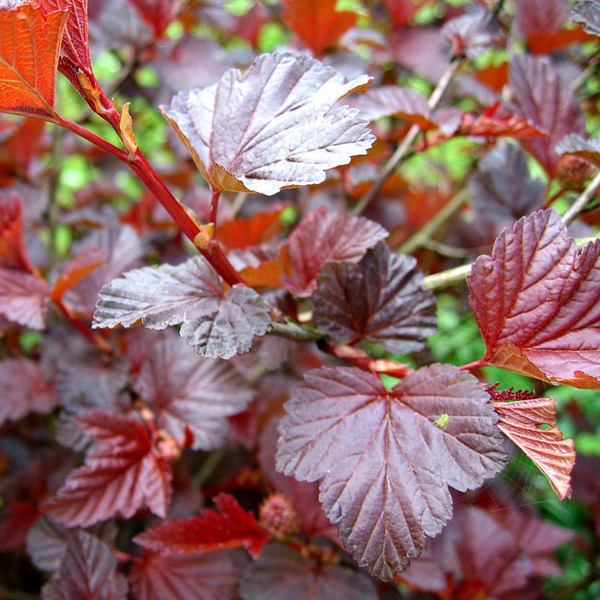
381 299
547 102
386 459
323 237
390 100
280 573
216 323
587 12
586 149
87 571
273 127
471 34
537 302
502 188
24 298
186 391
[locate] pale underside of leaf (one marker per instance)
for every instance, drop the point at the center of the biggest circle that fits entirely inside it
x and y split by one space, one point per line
384 463
271 128
24 298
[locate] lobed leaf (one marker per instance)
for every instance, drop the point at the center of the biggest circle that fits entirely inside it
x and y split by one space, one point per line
119 476
88 571
186 392
323 237
286 574
29 48
536 302
273 127
216 323
381 299
231 527
386 458
553 455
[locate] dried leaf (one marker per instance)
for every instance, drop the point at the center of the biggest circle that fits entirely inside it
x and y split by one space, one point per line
231 527
381 299
386 458
121 475
323 237
273 127
29 48
537 303
216 323
553 455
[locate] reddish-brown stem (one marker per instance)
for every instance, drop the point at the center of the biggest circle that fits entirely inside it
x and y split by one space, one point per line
474 365
214 207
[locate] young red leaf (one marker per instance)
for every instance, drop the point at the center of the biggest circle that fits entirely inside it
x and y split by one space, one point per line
471 34
119 476
502 189
231 527
537 303
28 59
217 323
24 389
13 252
87 571
211 576
287 574
387 458
490 124
553 455
24 298
317 22
188 392
548 103
273 127
381 299
258 229
587 12
323 237
158 14
79 268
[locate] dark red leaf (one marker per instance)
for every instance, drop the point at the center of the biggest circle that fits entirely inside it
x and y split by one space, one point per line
381 299
24 389
158 14
217 323
13 252
188 392
286 575
29 58
471 34
323 237
16 523
211 576
88 572
317 22
121 475
386 459
231 527
553 455
587 12
287 141
548 103
502 189
587 149
537 303
24 298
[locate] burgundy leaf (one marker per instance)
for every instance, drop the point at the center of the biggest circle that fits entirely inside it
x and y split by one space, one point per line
273 127
386 459
88 572
323 237
16 523
24 298
539 16
24 389
587 12
231 527
586 149
287 575
121 475
216 323
537 303
211 576
502 189
548 103
553 455
381 299
471 34
13 252
158 14
189 392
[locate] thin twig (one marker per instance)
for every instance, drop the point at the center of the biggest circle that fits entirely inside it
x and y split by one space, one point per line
409 140
579 204
447 278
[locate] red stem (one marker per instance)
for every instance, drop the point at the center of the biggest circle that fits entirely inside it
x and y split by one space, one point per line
474 365
214 207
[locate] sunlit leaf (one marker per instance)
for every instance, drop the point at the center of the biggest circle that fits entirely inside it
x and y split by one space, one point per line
587 12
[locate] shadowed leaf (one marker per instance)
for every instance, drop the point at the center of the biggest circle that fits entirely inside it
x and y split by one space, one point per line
386 459
273 127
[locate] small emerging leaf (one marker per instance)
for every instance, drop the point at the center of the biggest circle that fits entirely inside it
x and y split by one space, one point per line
272 128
